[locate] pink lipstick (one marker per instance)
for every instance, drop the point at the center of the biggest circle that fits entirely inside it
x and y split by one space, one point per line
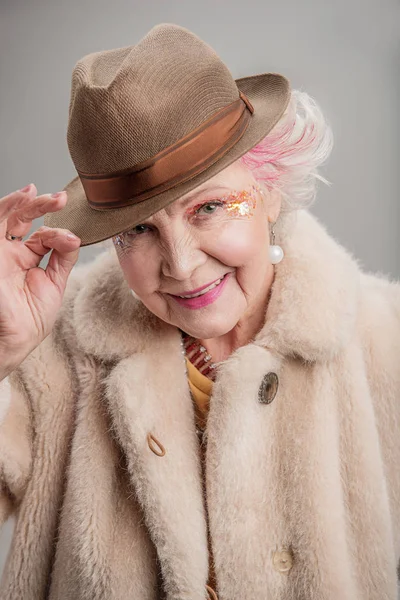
204 299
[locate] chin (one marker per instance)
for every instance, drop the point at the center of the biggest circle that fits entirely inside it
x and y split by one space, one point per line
206 331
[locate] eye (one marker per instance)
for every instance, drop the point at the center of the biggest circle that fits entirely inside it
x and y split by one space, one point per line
209 208
137 230
124 240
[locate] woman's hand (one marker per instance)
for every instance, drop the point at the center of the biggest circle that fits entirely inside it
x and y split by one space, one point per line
30 296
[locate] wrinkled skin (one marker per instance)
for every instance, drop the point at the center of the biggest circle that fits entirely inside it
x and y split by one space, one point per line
191 243
30 297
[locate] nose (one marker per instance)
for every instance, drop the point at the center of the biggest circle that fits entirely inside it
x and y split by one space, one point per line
181 255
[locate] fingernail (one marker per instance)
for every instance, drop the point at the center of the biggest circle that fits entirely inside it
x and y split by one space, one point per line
71 236
56 195
26 188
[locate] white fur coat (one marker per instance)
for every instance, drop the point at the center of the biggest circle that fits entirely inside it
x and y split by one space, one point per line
303 493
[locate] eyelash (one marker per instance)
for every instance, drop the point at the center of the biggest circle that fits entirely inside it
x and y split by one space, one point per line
195 211
211 203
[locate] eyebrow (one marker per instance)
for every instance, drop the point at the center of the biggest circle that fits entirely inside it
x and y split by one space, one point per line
197 193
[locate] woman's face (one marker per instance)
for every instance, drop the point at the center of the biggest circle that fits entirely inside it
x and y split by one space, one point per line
216 235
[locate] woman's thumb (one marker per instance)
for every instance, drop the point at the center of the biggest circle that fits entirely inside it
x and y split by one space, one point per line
60 266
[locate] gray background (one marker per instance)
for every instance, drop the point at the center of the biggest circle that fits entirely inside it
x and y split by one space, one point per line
344 53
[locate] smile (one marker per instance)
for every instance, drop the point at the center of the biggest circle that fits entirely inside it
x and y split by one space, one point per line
207 289
205 296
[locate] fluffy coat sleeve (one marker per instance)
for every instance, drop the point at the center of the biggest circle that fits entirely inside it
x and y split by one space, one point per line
31 402
15 443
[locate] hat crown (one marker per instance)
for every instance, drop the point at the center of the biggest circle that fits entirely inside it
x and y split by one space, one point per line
130 103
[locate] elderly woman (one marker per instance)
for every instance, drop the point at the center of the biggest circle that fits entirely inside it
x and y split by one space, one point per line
210 409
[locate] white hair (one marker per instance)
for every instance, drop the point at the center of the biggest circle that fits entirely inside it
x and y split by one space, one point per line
289 156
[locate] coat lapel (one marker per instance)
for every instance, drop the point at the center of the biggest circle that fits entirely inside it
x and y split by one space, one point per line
148 393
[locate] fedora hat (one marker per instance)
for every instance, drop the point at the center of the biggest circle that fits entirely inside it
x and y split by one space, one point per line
150 122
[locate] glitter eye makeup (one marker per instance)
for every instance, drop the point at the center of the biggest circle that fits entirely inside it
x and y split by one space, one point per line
237 203
242 204
118 240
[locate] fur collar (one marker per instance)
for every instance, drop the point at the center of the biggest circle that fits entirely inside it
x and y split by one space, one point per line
311 313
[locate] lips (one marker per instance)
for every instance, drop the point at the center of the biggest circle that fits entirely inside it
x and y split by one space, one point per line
197 291
204 290
208 294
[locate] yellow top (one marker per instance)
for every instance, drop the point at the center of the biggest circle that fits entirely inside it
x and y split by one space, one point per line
201 387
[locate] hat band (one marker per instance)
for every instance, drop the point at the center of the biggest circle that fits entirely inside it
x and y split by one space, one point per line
181 161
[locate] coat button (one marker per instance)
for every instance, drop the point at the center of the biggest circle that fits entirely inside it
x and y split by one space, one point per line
268 388
211 595
282 561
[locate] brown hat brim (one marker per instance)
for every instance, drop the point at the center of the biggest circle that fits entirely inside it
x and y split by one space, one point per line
269 94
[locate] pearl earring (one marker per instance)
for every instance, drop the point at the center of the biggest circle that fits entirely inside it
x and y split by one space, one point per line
275 252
